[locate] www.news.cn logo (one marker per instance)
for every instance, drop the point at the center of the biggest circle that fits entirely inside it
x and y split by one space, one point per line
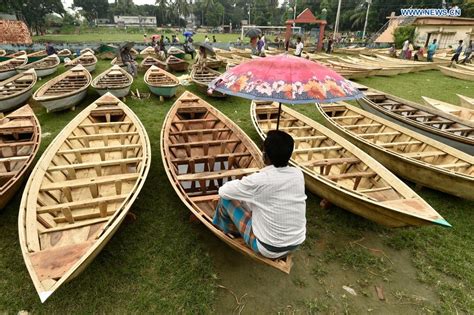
430 12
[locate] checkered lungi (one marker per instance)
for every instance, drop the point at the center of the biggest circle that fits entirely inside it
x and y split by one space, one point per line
235 220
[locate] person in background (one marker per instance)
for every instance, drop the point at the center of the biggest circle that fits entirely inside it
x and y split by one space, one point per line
457 53
406 44
260 47
127 60
419 54
299 47
468 52
392 52
268 208
206 39
50 50
188 47
431 50
176 39
153 41
329 49
201 58
145 39
264 41
162 53
167 40
239 42
214 40
409 51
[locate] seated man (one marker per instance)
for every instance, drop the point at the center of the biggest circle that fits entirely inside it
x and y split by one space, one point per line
127 60
267 208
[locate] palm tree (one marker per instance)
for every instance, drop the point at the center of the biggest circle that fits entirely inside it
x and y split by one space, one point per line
163 7
358 16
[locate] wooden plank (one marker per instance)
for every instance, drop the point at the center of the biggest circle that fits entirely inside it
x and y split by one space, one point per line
361 126
319 149
378 134
394 144
100 136
351 175
347 117
217 174
94 164
371 190
423 154
196 131
98 149
85 182
205 158
201 143
326 162
84 203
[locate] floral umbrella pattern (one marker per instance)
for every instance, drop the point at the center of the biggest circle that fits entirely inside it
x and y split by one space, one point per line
285 79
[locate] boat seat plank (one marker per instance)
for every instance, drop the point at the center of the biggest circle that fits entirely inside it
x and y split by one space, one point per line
206 198
74 225
362 126
378 134
347 117
85 182
351 175
205 158
98 149
190 121
84 203
394 144
327 162
94 164
201 143
196 131
217 174
423 154
99 136
372 190
440 122
309 138
318 149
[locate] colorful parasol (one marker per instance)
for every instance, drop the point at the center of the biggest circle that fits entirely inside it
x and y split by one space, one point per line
285 79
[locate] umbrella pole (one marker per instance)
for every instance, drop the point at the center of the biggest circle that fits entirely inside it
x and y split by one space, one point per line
278 118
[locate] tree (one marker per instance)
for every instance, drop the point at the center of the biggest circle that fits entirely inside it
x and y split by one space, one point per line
92 9
163 11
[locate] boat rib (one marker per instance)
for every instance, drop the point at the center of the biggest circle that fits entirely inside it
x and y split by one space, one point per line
343 174
80 191
202 149
114 80
65 90
461 112
161 82
411 155
20 137
87 59
43 67
17 90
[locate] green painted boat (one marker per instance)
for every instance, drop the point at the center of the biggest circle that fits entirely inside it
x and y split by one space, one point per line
178 53
161 82
37 55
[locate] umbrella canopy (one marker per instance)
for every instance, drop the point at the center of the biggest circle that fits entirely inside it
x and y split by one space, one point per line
188 33
208 47
285 79
128 45
253 32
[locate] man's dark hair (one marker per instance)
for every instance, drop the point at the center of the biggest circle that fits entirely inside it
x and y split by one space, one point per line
278 147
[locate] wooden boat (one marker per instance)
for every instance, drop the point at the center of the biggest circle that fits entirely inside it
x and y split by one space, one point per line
177 64
17 54
117 62
87 50
148 51
214 63
64 91
134 53
20 137
202 77
37 55
465 67
402 63
3 52
149 61
431 122
201 148
466 101
176 52
461 112
8 67
115 80
43 67
457 73
16 90
161 82
343 174
402 68
80 191
419 64
64 53
380 70
409 154
241 52
87 59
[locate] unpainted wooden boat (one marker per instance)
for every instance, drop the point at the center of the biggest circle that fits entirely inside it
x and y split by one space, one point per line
431 122
214 63
419 64
87 59
64 91
161 82
406 153
466 101
202 77
20 137
115 80
117 62
402 68
202 149
8 67
43 67
80 191
64 53
148 51
177 64
379 69
465 67
413 66
37 55
86 50
461 112
338 171
241 52
16 90
176 52
149 61
457 73
17 54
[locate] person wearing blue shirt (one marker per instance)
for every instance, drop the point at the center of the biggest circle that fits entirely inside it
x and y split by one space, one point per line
431 50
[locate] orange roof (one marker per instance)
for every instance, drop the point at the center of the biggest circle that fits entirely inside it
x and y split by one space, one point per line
307 17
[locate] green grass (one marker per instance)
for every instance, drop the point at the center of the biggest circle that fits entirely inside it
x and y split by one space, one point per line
162 263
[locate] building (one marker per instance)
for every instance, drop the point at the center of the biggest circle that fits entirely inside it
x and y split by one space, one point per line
13 31
141 21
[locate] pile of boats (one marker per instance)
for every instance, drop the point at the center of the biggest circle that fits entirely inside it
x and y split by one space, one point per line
459 71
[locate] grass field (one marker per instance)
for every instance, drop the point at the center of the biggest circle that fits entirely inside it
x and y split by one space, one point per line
162 263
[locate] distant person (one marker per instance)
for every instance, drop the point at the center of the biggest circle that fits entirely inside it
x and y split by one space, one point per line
206 39
419 55
214 40
392 52
127 60
50 50
153 41
188 47
432 50
173 39
329 49
405 47
201 58
299 47
468 52
145 39
457 53
239 42
162 51
166 40
409 51
260 47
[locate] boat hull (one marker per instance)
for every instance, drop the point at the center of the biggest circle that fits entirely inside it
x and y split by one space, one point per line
42 72
7 74
453 143
164 91
122 92
16 101
55 105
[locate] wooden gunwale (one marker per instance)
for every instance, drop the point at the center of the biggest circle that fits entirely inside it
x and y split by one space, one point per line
461 112
158 77
466 101
17 85
112 79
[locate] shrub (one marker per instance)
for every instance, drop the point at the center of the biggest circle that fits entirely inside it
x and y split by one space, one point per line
403 33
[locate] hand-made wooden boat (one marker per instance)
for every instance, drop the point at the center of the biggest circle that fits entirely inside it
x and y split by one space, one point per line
80 191
88 60
37 55
466 101
241 52
20 137
64 53
378 70
431 122
148 51
87 50
214 63
419 64
8 67
177 64
202 77
161 82
457 73
201 149
411 155
176 52
43 67
64 91
16 90
461 112
343 174
115 80
149 61
17 54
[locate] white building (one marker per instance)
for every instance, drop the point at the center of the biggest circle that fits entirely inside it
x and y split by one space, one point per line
135 20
